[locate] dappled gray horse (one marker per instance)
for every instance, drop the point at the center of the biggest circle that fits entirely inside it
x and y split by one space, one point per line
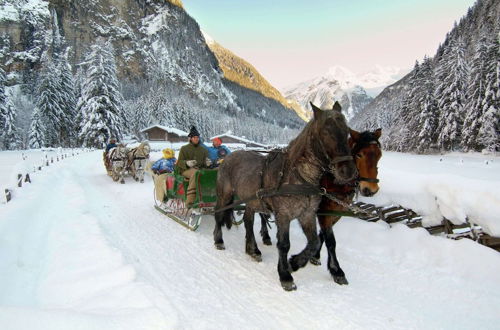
137 160
286 183
118 160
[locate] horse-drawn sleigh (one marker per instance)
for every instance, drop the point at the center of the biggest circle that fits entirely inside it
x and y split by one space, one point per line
121 160
288 183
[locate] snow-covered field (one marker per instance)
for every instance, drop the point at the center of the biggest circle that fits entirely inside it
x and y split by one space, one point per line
79 251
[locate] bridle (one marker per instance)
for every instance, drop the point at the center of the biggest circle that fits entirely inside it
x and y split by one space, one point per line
331 162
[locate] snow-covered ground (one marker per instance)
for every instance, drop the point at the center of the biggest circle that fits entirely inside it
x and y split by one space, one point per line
79 251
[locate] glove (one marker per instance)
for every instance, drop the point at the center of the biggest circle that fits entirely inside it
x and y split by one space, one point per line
191 163
220 161
208 162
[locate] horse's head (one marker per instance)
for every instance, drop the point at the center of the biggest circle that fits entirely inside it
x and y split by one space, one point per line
367 152
146 148
121 151
331 144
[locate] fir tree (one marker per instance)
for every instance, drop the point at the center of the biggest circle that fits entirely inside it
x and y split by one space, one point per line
10 136
100 105
68 103
36 138
476 93
50 102
427 117
489 133
452 76
3 99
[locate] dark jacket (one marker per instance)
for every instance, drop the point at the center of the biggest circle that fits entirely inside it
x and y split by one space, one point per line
190 152
110 146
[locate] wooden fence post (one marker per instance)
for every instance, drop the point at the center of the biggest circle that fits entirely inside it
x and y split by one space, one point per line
27 178
19 180
8 195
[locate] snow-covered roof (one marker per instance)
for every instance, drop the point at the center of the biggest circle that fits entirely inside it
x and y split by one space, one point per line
168 129
238 138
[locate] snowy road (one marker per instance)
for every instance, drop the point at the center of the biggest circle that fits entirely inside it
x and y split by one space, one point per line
80 251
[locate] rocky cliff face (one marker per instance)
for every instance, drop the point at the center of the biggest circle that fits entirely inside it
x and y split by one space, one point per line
157 45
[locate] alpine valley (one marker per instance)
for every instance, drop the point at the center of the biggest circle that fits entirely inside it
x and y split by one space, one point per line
161 72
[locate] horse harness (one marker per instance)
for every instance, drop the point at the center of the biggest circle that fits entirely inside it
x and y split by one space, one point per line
303 189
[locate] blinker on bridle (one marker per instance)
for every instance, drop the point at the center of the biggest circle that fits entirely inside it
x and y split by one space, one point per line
335 160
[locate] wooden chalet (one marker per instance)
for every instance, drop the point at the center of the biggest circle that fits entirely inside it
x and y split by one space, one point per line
233 139
164 133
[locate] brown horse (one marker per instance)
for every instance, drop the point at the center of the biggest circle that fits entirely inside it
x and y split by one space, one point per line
294 175
366 149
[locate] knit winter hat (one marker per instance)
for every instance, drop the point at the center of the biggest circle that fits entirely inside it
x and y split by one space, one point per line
193 132
168 153
217 139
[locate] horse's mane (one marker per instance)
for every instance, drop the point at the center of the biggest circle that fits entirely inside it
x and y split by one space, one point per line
365 138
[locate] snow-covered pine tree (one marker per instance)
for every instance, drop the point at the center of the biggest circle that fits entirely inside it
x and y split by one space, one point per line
476 94
489 132
428 116
10 137
36 138
3 98
50 101
68 132
100 105
451 94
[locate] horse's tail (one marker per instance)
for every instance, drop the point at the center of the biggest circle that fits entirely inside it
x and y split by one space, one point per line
225 197
228 215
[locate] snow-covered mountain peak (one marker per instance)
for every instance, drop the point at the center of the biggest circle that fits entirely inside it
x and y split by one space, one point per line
381 76
341 74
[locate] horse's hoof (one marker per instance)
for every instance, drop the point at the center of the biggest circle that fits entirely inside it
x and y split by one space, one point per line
267 241
341 280
122 182
315 261
142 181
288 286
220 246
255 256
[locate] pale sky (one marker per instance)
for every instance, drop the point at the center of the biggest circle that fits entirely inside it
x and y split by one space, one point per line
290 41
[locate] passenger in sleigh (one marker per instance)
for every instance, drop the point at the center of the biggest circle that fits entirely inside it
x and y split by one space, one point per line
217 152
109 146
192 157
160 169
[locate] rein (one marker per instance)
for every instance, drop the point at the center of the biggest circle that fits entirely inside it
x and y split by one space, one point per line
335 160
285 189
295 189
